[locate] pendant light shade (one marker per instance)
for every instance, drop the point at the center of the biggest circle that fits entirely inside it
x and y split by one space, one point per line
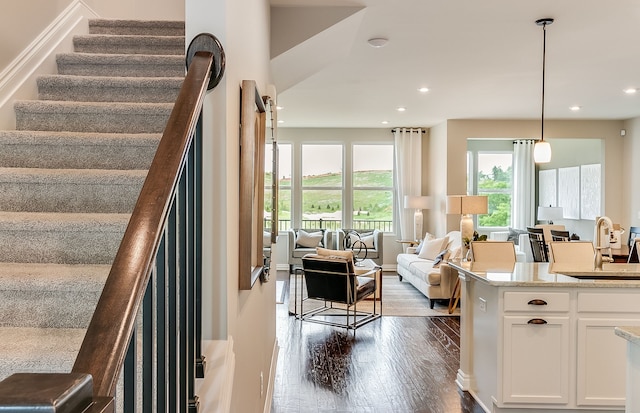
542 152
542 149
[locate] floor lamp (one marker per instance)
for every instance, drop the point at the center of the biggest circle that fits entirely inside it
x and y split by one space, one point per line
418 203
467 205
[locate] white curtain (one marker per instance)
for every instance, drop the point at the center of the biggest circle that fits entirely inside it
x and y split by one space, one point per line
524 181
408 144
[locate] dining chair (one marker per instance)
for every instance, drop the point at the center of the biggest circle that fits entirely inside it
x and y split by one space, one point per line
538 244
574 255
634 232
558 235
493 251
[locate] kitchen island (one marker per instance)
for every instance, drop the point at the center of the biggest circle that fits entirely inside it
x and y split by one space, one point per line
532 339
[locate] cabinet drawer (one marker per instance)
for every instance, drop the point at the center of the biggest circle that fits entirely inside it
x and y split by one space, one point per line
536 301
609 302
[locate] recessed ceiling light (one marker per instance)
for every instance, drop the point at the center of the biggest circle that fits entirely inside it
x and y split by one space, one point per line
280 121
630 91
279 107
575 108
377 42
423 89
401 109
385 122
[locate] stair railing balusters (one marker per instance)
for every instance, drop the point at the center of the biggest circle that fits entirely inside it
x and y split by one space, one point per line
160 248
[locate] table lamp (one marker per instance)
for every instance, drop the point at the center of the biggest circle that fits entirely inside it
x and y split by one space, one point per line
549 213
467 205
418 203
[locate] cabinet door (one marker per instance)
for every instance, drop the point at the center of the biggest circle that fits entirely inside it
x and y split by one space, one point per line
601 362
535 363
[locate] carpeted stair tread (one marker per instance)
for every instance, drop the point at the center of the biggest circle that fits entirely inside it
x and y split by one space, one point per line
49 285
129 44
137 27
119 117
116 89
116 65
63 238
35 350
73 150
53 277
70 190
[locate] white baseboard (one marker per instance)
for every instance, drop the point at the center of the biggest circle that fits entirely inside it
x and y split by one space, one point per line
18 79
272 377
214 391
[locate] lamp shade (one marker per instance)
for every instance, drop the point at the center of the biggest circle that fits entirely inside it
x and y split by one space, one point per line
454 204
417 202
542 152
475 204
549 213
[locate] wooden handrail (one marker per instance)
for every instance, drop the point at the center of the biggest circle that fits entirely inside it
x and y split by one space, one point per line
107 338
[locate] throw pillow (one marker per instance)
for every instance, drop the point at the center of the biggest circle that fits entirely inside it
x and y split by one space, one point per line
419 247
442 256
325 252
368 241
431 249
455 253
514 235
309 240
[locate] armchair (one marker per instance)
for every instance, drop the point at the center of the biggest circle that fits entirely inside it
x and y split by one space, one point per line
305 241
373 240
332 280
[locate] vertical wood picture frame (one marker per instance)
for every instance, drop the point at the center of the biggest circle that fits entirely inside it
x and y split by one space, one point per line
251 194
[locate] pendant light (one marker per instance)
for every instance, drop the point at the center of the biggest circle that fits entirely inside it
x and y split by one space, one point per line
542 149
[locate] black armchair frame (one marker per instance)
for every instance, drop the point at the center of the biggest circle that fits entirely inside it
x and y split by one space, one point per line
333 282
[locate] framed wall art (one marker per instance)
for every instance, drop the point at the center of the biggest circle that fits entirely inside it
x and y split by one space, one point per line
569 191
251 196
590 191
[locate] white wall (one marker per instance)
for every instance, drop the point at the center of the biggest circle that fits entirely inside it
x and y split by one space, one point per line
458 131
247 316
630 182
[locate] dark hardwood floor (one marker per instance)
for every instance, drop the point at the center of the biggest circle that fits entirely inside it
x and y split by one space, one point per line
394 364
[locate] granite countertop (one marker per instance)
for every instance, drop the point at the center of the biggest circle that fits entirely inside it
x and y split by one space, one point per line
538 274
630 333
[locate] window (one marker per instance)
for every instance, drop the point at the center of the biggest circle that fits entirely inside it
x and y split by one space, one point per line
284 186
334 184
373 187
322 186
494 178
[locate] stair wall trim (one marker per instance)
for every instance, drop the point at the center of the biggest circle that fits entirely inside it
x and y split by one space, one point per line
18 79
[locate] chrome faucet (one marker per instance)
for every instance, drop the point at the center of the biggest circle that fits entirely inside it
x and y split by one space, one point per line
598 258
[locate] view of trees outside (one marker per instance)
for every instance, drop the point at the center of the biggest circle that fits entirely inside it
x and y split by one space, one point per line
323 189
373 187
495 176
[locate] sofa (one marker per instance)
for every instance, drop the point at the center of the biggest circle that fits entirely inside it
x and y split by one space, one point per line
372 239
426 268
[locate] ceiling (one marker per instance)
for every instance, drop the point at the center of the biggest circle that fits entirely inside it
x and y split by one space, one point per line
480 59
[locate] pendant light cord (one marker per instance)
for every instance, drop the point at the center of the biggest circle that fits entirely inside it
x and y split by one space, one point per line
544 64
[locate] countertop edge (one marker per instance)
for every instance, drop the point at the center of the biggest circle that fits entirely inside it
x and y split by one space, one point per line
632 334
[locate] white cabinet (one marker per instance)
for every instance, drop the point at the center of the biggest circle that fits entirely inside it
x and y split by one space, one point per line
536 344
601 355
535 368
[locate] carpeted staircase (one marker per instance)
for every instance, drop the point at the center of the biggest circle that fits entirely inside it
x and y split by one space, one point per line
69 177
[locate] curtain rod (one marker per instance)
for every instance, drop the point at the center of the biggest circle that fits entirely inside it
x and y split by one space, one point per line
411 129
